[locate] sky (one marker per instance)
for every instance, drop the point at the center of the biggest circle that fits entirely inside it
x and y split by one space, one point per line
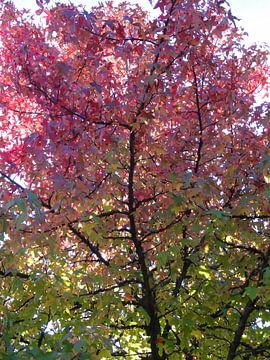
254 14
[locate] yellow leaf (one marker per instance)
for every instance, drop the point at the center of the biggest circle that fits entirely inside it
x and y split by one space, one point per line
197 334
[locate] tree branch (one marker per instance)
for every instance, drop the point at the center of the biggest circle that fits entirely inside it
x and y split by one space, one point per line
199 150
86 241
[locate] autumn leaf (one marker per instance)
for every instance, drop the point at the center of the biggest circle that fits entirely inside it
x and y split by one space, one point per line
134 170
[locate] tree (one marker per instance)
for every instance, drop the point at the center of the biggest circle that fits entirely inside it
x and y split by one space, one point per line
134 184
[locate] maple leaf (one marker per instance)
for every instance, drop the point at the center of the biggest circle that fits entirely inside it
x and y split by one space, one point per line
134 170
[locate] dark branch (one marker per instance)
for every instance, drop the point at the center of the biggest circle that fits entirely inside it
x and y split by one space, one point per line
11 273
87 242
199 150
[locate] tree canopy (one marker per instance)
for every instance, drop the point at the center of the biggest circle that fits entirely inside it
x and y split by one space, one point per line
134 172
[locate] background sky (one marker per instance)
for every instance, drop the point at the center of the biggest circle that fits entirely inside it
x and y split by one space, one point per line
254 14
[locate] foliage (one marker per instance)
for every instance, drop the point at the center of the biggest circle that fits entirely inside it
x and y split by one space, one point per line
134 184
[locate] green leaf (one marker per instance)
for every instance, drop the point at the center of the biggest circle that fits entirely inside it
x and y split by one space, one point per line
266 276
251 292
33 199
20 203
162 259
105 354
217 213
204 272
79 345
144 314
20 220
